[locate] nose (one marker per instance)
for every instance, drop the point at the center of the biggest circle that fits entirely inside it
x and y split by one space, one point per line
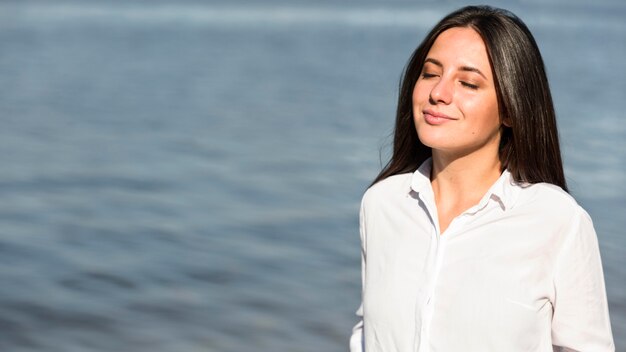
442 92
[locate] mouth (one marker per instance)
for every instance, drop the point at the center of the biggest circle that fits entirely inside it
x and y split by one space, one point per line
435 118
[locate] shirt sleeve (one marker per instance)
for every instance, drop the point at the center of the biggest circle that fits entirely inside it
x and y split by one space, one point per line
581 315
357 339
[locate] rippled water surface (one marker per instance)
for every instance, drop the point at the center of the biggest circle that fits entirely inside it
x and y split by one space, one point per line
186 176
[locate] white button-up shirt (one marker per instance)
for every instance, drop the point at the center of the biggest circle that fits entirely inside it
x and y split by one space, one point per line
519 271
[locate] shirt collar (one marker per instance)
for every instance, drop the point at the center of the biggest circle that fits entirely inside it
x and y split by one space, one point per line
504 191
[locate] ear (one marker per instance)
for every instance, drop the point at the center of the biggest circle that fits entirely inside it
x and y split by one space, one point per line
507 122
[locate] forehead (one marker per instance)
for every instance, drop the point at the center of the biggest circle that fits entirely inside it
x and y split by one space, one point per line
460 46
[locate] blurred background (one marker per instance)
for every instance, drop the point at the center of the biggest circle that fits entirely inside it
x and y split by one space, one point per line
186 175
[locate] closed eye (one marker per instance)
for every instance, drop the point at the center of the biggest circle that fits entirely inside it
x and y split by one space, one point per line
428 75
469 85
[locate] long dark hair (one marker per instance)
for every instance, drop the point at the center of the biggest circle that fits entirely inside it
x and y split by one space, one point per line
529 144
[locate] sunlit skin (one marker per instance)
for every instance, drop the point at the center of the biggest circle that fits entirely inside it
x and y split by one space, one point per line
457 82
455 109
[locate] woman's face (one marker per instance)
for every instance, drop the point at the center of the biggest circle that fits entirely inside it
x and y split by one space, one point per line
455 106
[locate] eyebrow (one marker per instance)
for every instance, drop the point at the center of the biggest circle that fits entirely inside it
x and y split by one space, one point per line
463 68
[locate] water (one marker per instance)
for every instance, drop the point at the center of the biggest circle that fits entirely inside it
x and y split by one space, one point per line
185 176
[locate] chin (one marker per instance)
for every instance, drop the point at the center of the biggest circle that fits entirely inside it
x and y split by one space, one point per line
432 140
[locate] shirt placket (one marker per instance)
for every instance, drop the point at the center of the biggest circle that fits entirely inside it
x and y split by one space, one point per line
428 304
435 264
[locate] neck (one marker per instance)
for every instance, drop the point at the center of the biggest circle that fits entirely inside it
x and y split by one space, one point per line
465 176
460 182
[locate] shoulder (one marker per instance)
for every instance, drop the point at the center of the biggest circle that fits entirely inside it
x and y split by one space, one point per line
552 203
388 189
546 194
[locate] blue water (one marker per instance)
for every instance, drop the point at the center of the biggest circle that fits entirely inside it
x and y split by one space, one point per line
185 176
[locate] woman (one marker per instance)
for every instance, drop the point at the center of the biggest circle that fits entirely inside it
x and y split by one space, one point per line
470 241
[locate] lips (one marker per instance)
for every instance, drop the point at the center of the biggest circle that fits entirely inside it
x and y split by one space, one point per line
436 118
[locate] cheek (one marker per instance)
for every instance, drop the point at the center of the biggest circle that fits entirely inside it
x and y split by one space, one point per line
415 94
484 111
492 115
420 92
